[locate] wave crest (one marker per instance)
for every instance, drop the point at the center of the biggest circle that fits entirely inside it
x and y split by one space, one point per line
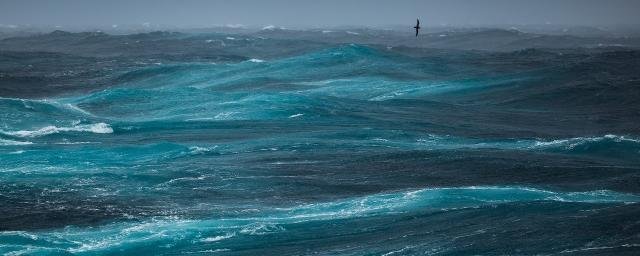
572 143
124 236
101 128
14 143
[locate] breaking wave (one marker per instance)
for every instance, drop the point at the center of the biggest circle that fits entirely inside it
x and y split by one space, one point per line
100 128
121 237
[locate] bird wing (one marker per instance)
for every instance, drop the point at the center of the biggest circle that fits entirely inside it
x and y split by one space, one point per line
418 25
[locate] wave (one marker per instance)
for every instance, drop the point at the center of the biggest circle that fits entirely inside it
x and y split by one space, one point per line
575 142
118 237
201 150
585 144
445 199
100 128
4 142
286 85
609 144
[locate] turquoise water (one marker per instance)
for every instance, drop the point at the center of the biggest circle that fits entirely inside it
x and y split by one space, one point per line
350 150
228 233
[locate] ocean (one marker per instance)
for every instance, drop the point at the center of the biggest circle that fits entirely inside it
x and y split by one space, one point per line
343 149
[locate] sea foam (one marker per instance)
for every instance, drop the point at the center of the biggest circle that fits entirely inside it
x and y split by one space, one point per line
14 143
120 236
94 128
256 60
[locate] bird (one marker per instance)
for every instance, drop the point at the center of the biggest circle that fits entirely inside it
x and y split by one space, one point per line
417 27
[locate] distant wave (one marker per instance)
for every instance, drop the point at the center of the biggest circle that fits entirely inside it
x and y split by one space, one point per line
128 235
614 146
596 144
94 128
573 143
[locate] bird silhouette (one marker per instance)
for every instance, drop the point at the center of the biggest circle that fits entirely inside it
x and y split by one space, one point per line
417 27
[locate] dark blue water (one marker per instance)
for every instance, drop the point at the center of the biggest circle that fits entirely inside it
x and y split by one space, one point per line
349 150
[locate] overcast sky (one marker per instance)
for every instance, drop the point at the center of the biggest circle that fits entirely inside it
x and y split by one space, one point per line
317 13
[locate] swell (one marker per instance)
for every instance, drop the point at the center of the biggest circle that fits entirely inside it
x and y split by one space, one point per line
319 81
127 236
230 142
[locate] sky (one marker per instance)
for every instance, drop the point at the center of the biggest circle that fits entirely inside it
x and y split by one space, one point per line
317 13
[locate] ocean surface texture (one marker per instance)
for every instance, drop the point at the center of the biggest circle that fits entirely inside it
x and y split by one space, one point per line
338 149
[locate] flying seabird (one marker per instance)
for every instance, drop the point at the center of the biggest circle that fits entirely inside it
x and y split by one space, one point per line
417 27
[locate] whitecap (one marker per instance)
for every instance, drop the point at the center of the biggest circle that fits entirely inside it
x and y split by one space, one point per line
76 143
571 143
101 128
216 250
200 150
13 142
218 238
261 228
296 115
549 143
256 60
114 237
